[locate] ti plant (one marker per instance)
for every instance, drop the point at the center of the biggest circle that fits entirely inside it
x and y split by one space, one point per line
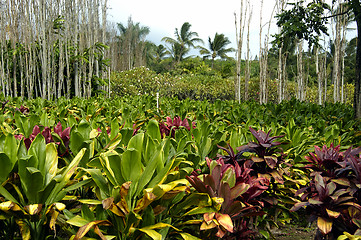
170 126
268 156
234 190
332 196
32 186
264 159
130 182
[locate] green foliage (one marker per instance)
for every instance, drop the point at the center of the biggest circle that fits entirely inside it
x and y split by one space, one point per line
101 168
142 81
302 22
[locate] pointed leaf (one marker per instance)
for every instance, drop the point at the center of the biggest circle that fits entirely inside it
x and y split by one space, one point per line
325 225
332 214
225 221
131 165
64 179
151 233
187 236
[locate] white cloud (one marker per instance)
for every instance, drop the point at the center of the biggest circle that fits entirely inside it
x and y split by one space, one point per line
206 16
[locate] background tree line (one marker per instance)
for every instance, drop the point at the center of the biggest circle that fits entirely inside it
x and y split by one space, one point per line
68 49
52 48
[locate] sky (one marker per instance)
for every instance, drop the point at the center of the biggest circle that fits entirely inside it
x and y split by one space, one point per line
206 17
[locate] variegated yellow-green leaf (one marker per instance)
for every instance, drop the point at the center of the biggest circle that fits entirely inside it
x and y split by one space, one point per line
33 209
90 201
142 203
160 226
6 206
192 222
325 225
151 233
341 181
65 177
59 206
54 216
24 229
77 221
161 189
257 159
93 134
187 236
51 162
85 229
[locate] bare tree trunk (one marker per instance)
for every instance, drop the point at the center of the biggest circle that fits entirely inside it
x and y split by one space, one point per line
336 60
239 53
343 53
262 80
319 80
247 72
263 58
280 73
300 74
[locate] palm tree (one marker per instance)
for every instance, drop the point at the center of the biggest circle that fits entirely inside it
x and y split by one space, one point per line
160 52
185 39
132 41
217 47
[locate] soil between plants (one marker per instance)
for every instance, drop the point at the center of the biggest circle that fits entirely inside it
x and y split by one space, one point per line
294 232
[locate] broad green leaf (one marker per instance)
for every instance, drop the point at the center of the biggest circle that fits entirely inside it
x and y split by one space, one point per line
64 180
131 165
31 178
38 150
76 141
149 170
11 148
99 180
160 177
7 195
6 167
153 130
195 199
77 185
114 167
136 142
51 162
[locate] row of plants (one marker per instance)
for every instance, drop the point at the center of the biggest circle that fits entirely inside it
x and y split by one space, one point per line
123 169
201 83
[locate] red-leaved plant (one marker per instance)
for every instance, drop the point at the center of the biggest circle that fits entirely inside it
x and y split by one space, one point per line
62 137
238 198
170 126
333 195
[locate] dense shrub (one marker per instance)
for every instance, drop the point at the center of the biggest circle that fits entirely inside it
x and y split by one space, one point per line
142 81
196 80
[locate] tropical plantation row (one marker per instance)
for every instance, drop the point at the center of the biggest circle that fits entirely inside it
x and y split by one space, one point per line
139 167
